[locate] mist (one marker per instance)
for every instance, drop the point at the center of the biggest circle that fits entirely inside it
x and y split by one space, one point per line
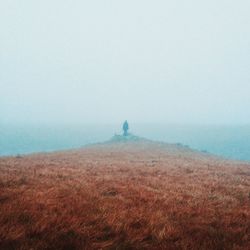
107 61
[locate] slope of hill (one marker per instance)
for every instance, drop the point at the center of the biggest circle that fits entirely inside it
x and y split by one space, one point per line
133 194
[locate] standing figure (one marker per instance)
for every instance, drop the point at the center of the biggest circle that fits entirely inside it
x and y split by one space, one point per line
125 128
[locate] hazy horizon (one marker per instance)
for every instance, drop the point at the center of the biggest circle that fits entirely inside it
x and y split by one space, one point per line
101 62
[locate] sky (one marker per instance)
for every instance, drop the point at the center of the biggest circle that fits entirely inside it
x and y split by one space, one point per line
106 61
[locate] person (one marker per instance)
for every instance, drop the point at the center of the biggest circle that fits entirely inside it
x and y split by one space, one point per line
125 128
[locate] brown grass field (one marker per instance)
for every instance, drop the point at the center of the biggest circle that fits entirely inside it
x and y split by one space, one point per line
135 195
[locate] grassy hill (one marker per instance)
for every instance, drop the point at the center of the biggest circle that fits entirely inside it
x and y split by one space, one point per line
128 193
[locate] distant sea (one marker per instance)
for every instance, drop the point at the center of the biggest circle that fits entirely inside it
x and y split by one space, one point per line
231 142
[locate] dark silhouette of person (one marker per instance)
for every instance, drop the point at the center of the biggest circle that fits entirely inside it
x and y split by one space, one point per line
125 128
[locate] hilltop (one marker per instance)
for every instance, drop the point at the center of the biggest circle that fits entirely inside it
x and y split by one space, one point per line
128 193
128 138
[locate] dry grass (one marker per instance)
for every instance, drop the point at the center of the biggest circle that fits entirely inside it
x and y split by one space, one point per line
124 196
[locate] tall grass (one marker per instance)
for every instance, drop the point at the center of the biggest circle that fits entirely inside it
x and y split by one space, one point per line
124 196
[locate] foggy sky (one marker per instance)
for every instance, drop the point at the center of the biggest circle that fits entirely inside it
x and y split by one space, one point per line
107 61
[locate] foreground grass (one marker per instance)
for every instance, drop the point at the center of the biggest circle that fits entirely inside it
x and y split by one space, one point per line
124 196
